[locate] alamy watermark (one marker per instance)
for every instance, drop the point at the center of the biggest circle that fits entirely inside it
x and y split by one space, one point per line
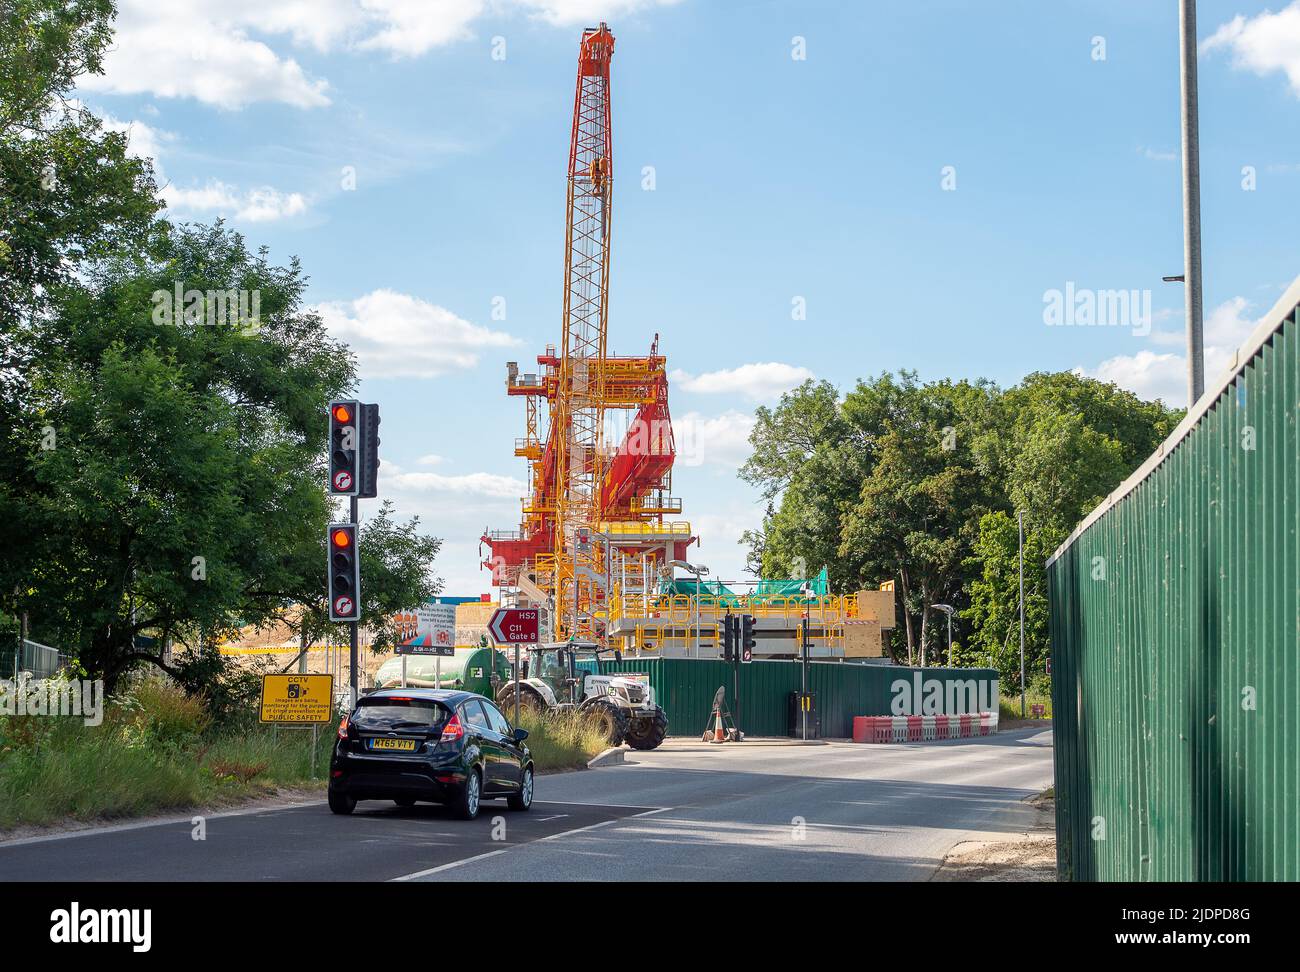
236 308
29 696
1081 307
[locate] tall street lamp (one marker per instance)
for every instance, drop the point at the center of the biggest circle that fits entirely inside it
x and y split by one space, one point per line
947 609
698 572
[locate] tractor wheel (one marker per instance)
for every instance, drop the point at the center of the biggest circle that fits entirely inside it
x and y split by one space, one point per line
648 733
612 718
528 699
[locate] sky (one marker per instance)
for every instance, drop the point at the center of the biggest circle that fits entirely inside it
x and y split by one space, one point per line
802 188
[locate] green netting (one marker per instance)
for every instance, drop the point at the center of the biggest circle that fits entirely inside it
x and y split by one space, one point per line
818 586
791 589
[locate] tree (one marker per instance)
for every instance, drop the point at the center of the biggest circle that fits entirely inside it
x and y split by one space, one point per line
918 509
183 494
396 575
919 481
1061 444
69 194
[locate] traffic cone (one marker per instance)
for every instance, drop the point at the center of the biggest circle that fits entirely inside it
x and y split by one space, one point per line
718 734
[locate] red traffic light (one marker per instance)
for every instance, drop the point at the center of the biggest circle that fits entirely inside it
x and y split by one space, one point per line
342 413
342 538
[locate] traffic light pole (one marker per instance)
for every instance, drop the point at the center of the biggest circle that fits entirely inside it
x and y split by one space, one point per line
803 677
352 665
735 680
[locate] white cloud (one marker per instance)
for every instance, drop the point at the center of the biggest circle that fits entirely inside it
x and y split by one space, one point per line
479 484
430 460
1151 375
1155 155
567 13
411 27
756 382
721 440
399 336
201 49
1266 43
206 49
142 141
259 205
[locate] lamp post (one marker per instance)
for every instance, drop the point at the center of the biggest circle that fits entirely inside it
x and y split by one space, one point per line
947 609
1191 139
698 572
1020 522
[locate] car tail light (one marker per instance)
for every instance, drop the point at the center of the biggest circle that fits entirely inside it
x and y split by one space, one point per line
343 728
453 730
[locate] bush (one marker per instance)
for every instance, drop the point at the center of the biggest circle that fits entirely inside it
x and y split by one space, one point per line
563 739
158 748
156 710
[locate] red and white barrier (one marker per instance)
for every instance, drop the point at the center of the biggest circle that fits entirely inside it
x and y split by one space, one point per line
883 729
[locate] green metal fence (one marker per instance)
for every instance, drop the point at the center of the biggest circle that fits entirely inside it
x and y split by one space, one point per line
685 687
1176 682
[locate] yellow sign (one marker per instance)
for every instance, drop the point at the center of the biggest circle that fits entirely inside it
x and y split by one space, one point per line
297 698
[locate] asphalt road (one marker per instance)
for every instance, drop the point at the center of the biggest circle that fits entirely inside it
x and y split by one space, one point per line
688 811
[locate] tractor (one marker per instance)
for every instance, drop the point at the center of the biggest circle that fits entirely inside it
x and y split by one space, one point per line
552 681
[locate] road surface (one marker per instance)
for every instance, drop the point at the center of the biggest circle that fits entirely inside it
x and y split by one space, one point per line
688 811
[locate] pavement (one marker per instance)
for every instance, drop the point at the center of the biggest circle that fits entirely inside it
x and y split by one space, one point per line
686 811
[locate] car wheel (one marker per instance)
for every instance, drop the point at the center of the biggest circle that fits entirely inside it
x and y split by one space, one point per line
341 802
470 795
524 798
404 802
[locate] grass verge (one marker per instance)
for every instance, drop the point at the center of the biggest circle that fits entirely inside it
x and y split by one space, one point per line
158 750
566 739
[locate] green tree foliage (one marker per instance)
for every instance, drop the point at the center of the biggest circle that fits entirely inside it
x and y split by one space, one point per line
919 482
161 462
68 194
183 493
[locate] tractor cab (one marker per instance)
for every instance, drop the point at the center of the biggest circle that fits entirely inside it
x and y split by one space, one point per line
564 665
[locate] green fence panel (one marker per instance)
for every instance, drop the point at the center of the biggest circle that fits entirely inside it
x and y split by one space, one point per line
1174 627
685 688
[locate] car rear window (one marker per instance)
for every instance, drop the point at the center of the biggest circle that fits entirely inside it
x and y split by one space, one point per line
399 714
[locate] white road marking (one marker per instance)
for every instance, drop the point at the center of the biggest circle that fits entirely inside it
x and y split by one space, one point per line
448 867
563 833
163 822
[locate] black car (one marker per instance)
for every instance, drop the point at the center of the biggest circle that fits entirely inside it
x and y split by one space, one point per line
437 745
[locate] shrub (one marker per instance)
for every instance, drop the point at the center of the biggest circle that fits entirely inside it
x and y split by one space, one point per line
564 739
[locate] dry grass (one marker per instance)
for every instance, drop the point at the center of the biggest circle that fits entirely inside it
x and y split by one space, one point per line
566 739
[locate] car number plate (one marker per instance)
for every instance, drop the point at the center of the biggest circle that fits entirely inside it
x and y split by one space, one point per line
401 745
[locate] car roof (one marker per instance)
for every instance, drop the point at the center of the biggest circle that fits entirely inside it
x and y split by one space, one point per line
450 697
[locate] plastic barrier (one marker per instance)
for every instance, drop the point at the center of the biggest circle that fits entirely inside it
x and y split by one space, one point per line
900 728
862 728
914 728
886 729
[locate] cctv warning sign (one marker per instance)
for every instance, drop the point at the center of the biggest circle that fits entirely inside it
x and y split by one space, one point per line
302 699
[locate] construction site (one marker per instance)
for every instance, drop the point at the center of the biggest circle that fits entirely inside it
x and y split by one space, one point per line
601 548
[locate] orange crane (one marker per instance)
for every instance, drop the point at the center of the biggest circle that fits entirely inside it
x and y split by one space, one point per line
592 512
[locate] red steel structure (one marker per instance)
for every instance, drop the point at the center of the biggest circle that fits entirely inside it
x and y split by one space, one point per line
590 507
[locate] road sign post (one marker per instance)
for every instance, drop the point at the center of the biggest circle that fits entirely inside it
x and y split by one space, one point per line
515 626
297 699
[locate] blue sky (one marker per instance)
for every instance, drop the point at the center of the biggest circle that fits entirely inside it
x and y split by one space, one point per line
918 181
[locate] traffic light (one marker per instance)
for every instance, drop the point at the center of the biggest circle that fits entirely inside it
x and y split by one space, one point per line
747 641
728 637
344 448
344 571
369 452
